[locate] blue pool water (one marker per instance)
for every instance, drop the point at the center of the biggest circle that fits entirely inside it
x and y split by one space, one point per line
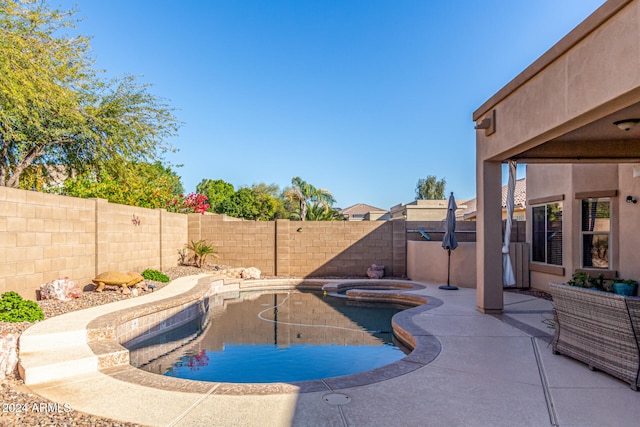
280 337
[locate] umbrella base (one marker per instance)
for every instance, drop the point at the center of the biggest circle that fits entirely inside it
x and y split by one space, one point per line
448 288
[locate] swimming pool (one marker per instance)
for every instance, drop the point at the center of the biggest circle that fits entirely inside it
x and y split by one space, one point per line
287 336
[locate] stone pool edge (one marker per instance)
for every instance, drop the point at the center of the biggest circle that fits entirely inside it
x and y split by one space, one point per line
105 332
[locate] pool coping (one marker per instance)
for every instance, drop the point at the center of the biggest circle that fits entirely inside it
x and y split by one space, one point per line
113 360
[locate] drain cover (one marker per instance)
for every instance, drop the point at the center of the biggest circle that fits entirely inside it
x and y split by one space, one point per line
336 399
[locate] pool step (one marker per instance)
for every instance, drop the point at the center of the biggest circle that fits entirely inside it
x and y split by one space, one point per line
39 365
63 346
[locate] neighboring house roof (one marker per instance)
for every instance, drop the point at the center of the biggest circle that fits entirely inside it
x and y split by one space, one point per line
519 195
359 209
359 212
519 199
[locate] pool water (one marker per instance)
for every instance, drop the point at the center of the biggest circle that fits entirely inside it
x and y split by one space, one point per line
280 337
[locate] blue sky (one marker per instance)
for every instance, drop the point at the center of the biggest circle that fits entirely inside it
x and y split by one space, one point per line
360 97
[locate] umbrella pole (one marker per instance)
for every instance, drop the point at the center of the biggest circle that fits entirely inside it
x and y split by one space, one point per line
448 287
449 267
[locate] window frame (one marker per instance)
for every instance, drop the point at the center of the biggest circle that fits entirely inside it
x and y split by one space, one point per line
609 233
545 203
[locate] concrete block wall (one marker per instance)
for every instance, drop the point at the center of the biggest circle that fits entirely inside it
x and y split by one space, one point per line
340 248
238 243
44 237
174 234
303 249
124 245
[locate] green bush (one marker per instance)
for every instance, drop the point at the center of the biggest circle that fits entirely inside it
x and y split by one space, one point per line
15 309
155 275
201 250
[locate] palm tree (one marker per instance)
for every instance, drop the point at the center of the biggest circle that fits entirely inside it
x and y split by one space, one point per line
301 192
320 212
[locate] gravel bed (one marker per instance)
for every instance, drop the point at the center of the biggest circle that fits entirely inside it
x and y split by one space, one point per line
20 407
532 292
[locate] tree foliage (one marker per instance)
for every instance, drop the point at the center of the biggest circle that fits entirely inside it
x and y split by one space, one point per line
217 190
320 212
56 109
258 202
139 184
301 193
430 188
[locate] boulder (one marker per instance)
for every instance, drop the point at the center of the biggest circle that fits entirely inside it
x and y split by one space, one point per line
375 271
250 273
60 289
8 354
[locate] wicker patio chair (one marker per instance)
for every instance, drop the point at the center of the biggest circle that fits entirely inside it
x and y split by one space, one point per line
598 328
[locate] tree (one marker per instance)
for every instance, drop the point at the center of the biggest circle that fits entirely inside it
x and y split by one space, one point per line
320 212
430 188
241 205
301 193
56 110
139 184
270 201
217 190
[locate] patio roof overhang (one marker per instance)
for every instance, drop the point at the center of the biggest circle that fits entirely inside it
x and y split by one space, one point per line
599 141
561 109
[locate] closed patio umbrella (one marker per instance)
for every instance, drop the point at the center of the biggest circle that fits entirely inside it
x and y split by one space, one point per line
449 241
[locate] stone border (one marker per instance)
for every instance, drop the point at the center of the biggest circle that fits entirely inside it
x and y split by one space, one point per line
424 346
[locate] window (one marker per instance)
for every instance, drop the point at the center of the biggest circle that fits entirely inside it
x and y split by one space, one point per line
595 232
546 245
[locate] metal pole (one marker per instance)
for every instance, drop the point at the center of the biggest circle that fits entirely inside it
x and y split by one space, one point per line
448 287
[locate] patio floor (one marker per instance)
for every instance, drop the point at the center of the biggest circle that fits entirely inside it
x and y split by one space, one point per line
491 371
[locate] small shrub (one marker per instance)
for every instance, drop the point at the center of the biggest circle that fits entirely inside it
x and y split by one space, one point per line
579 279
201 251
155 275
15 309
582 279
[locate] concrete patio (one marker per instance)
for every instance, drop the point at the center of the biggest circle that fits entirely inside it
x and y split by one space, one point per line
491 371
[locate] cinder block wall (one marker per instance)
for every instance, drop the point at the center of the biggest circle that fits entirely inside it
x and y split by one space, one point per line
174 233
239 243
44 237
304 249
340 248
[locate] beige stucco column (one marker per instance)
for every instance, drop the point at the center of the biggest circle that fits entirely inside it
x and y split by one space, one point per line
489 237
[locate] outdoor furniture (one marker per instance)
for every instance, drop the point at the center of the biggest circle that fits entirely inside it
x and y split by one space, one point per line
598 328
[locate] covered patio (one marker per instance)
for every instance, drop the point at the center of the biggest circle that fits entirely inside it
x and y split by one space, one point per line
560 116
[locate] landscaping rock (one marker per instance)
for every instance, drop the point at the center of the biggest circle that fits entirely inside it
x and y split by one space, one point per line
375 271
60 289
8 354
250 273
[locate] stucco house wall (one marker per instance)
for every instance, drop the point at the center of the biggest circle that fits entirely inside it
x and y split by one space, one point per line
562 110
571 180
571 183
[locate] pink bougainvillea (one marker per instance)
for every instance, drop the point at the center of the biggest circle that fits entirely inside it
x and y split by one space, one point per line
192 203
